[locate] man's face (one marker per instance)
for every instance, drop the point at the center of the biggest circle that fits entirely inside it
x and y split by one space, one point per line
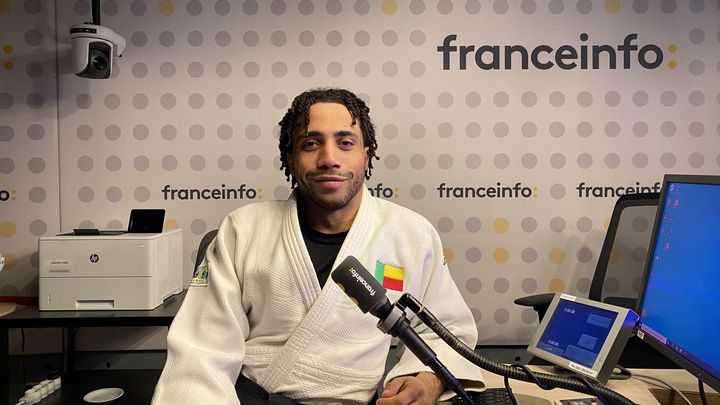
329 160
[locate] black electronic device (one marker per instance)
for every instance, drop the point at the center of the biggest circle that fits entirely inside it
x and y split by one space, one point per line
680 297
142 220
490 396
146 220
94 47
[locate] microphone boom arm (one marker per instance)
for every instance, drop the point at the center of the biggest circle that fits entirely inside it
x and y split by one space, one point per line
397 325
412 303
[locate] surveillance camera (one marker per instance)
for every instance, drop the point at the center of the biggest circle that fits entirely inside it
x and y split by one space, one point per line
94 49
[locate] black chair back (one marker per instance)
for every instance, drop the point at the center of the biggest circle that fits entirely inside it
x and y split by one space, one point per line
202 247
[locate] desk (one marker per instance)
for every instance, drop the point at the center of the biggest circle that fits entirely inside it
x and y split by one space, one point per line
31 317
140 384
634 389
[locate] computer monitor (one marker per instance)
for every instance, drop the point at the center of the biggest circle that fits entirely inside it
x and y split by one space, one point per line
679 304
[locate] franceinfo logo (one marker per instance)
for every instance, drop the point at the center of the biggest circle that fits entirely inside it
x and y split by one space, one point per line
629 53
239 192
498 190
588 190
384 191
362 281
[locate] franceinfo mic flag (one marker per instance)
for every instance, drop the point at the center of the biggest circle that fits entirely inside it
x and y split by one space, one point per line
361 287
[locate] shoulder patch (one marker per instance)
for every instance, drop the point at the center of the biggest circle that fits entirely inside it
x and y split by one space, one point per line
391 277
200 276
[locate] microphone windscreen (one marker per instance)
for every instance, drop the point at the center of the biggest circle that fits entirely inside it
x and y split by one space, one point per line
359 284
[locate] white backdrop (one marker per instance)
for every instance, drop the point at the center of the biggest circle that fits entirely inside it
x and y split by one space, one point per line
194 102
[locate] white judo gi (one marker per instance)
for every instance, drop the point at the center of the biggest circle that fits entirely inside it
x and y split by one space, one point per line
263 311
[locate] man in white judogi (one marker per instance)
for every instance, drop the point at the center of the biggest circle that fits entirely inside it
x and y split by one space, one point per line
260 305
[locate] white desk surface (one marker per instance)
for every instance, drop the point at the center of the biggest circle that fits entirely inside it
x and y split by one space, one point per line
634 389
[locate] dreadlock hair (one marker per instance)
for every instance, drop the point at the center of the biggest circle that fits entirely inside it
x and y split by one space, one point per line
297 116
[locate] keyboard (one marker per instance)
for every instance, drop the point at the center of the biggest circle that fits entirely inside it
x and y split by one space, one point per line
491 396
113 232
95 232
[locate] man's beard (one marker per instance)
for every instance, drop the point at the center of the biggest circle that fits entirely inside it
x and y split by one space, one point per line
331 202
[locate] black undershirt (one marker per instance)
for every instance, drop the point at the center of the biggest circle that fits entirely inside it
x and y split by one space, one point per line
322 247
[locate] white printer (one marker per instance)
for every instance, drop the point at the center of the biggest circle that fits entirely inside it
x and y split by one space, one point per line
110 271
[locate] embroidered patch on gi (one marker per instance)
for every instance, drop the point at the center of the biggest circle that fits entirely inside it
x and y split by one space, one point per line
390 277
200 276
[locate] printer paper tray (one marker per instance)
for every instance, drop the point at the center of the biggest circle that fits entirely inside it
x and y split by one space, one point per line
98 294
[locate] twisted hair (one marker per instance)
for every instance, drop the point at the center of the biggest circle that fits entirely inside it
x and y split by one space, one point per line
297 116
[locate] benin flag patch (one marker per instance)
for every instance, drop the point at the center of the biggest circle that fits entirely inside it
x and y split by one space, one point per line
389 276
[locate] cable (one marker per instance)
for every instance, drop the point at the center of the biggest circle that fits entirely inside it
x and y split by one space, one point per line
624 373
701 389
456 344
509 391
663 382
530 374
63 367
22 349
591 387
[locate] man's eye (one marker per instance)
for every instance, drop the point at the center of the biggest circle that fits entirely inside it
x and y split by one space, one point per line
346 144
310 145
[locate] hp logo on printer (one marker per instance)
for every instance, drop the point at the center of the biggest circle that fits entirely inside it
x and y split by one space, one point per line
94 258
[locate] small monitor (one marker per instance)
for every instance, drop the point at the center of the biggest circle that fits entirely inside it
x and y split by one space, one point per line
583 336
680 297
146 220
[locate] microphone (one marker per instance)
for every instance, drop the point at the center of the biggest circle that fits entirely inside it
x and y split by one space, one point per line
368 294
362 288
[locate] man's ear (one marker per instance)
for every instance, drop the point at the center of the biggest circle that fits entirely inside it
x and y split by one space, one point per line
367 157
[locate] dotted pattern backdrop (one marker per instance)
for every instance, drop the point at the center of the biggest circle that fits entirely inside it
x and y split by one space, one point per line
29 187
193 105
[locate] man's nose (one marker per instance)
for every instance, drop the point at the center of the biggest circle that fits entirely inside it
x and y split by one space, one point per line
328 156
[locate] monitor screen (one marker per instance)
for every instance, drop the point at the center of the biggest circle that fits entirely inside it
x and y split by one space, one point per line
583 336
577 332
680 298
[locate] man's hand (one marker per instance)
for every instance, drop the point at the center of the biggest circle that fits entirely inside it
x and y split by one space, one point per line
422 389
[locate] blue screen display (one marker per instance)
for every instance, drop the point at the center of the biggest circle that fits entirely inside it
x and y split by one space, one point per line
577 332
681 304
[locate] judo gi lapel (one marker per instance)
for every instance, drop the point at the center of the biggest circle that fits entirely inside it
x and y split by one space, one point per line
300 263
318 303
